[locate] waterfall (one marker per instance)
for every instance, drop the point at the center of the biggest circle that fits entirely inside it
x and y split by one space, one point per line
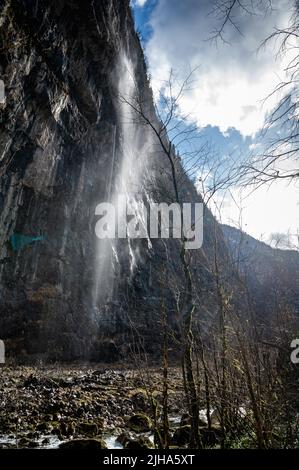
128 179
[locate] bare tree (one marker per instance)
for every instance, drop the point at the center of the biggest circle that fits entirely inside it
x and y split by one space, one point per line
162 127
226 13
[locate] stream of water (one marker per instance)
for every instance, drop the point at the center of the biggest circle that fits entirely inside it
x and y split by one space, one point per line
126 179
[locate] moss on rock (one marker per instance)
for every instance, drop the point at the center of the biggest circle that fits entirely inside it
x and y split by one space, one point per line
140 422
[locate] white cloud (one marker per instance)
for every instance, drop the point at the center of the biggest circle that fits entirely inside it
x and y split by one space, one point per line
232 79
140 3
232 82
267 210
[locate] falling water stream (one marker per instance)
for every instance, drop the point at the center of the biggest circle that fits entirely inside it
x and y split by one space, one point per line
126 179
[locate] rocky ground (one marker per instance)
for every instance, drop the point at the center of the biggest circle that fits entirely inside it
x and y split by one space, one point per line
76 406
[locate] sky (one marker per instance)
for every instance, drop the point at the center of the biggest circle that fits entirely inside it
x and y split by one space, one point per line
227 102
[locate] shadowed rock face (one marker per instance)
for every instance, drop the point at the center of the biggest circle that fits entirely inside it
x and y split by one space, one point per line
59 126
271 274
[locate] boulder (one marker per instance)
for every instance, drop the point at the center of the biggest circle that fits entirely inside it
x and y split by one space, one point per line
128 442
84 444
67 428
181 436
89 429
140 422
186 421
123 438
210 437
139 443
140 400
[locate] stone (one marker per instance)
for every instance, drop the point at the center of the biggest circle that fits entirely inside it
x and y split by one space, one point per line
128 442
44 427
84 444
210 437
181 436
140 400
186 420
123 438
139 443
89 429
140 422
67 428
25 442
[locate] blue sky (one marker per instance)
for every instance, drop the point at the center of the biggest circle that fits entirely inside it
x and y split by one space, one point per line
227 103
142 16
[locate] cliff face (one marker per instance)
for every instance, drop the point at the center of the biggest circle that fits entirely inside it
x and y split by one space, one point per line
63 143
271 274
